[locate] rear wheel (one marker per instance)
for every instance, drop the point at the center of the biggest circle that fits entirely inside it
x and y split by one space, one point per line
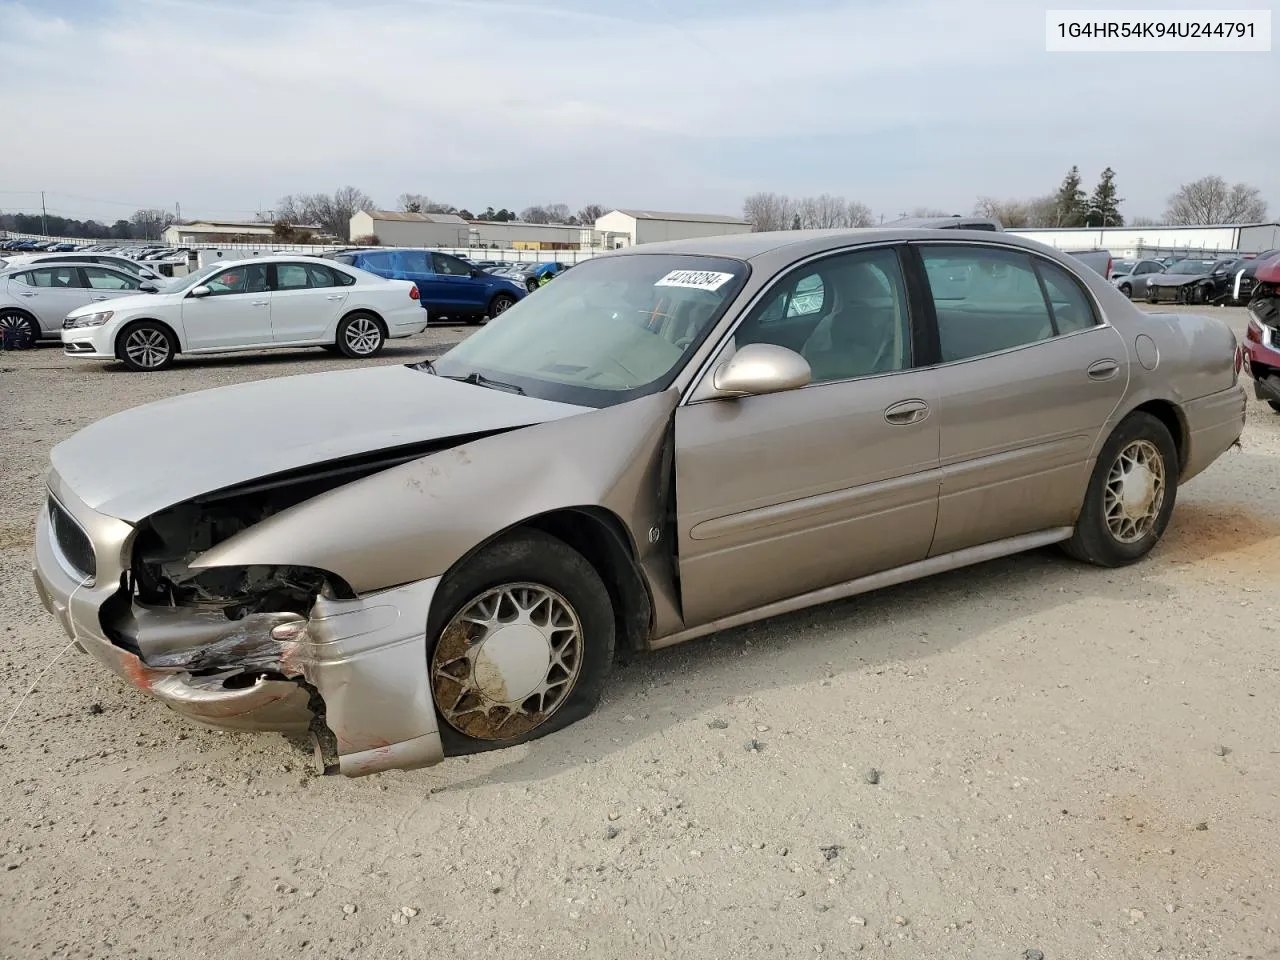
1131 494
523 642
146 346
360 336
18 331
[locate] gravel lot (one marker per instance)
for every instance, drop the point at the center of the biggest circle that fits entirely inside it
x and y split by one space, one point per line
1072 761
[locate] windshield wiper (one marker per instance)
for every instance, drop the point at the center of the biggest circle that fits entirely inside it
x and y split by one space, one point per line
480 380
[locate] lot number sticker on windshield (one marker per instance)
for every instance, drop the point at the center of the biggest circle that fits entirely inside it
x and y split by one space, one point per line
695 279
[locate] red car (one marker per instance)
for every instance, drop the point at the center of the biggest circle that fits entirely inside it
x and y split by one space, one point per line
1262 339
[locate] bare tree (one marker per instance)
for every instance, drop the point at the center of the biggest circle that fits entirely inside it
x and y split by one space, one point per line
769 211
332 213
858 215
1209 200
535 215
150 224
421 203
347 201
590 213
1017 214
826 212
1145 222
928 212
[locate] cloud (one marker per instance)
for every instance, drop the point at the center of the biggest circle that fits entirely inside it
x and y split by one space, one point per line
655 102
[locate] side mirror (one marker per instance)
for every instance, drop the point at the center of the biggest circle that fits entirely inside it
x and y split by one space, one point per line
476 273
200 291
760 368
149 286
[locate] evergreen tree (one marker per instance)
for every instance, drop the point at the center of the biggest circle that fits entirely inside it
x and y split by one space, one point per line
1104 205
1071 202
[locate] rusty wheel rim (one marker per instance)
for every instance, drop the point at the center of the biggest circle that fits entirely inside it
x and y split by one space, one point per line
507 661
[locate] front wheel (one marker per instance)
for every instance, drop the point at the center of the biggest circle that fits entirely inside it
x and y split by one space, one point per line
361 336
1274 405
1130 496
501 304
146 346
1126 290
524 636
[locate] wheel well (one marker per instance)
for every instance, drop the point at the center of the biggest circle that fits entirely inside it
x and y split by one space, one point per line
602 539
20 312
159 323
502 293
368 313
1168 414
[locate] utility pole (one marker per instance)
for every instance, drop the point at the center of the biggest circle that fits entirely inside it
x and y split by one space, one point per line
177 212
44 216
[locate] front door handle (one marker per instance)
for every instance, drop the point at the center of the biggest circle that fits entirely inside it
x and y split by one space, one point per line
261 303
28 294
906 411
1103 370
98 298
338 297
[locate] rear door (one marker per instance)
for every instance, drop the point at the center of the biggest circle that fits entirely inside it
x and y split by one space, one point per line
782 494
305 302
50 293
1029 375
235 313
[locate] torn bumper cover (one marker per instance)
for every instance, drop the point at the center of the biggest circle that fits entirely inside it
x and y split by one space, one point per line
365 657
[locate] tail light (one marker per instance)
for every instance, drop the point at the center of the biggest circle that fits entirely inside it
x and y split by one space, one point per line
1239 362
1109 263
413 292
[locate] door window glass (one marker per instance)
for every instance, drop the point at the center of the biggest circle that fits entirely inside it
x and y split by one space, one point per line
100 278
450 266
58 278
320 276
246 278
986 300
846 315
291 276
1072 309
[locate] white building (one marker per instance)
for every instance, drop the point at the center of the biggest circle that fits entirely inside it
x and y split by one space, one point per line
225 231
411 229
650 226
1139 241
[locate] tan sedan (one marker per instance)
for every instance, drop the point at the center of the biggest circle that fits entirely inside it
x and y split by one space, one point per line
418 561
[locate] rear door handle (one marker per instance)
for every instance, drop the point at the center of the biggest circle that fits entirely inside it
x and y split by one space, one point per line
338 297
98 298
906 411
1103 370
28 294
261 303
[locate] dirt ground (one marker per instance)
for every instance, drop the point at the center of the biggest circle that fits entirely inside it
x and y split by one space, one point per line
1072 762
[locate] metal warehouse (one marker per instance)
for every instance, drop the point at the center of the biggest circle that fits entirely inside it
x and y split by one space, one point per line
1134 241
651 226
412 229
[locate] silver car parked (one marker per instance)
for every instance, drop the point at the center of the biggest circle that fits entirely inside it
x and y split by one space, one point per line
36 298
1133 283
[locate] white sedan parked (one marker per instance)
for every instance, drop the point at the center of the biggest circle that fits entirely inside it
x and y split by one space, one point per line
278 301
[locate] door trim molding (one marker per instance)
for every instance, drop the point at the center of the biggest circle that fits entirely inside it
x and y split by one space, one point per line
875 581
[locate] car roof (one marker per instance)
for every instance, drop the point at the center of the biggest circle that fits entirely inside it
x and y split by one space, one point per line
58 264
803 243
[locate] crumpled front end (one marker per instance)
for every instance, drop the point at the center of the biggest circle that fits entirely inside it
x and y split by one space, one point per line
250 648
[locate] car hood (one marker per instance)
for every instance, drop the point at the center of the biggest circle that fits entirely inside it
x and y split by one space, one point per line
131 302
131 464
1178 280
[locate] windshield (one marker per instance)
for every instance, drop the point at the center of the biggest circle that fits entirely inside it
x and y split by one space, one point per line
1191 267
610 330
1122 266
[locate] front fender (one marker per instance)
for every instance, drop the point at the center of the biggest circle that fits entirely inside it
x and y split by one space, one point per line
414 521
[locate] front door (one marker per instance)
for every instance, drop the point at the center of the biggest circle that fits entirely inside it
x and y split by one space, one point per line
235 313
1029 376
781 494
461 291
305 303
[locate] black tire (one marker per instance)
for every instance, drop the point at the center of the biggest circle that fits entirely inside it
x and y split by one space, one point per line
1126 290
146 346
500 304
1094 541
523 557
18 330
1150 298
1274 405
361 335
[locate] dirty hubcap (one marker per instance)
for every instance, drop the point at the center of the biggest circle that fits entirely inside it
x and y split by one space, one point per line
363 335
147 348
507 661
1135 491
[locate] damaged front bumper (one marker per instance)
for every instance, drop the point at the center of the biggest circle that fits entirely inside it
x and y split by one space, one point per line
364 657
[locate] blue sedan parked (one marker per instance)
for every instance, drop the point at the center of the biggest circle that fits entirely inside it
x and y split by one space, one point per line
447 286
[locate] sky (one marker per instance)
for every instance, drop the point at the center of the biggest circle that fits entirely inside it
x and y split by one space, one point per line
686 105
